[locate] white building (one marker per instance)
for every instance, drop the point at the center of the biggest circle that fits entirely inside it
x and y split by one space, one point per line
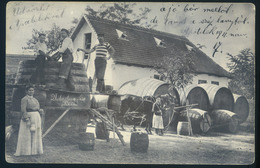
137 49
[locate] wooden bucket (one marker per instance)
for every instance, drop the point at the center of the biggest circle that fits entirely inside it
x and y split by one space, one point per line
200 120
241 107
98 101
139 142
182 128
108 88
86 141
101 131
114 103
225 121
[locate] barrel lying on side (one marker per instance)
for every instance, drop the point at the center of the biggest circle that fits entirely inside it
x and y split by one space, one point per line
241 107
200 120
225 121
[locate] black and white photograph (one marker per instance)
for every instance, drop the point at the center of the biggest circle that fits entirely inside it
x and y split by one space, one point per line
168 83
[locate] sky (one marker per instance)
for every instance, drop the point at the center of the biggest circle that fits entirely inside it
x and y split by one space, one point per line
218 28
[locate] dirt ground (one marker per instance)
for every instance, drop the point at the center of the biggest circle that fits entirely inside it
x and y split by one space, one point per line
213 148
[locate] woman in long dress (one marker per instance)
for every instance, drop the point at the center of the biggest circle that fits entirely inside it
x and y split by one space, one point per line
157 117
30 133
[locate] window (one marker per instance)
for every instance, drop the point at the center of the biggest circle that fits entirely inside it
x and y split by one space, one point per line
88 41
159 77
214 82
160 43
202 81
87 44
156 76
190 48
121 35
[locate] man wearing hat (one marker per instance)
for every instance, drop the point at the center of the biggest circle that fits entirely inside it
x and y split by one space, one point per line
101 60
66 51
41 52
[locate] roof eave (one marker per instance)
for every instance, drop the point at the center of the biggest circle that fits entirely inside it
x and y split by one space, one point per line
149 66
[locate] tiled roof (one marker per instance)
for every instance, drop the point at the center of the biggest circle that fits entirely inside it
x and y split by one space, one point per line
141 48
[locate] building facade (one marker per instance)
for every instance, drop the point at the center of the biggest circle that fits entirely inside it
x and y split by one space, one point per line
137 50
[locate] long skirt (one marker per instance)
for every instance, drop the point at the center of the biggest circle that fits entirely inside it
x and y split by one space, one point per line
30 142
157 122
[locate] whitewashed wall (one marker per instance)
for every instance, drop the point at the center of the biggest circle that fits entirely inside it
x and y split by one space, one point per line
79 42
223 81
119 74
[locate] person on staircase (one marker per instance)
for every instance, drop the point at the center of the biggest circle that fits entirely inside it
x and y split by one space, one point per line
101 60
66 50
38 77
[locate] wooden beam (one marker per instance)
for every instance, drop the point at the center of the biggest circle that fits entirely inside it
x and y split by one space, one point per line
53 125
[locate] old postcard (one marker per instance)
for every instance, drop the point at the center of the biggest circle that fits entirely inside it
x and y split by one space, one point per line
130 83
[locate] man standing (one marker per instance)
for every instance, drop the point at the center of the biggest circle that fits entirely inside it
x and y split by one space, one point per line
101 60
40 50
66 51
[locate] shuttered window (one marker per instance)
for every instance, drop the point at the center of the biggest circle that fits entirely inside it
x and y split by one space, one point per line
202 81
87 40
214 82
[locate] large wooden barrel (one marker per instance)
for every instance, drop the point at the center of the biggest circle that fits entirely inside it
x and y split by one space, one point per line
139 142
99 101
86 141
182 128
225 121
194 94
148 87
200 120
241 107
219 97
114 103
